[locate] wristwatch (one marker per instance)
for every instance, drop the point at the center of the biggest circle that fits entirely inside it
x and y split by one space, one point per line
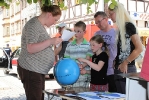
128 61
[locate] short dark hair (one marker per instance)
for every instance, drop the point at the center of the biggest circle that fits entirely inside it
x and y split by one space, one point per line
54 9
81 24
101 13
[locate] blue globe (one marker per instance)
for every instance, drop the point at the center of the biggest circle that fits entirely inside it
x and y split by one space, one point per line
66 71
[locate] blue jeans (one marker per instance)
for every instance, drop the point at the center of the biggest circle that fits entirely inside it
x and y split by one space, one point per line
121 81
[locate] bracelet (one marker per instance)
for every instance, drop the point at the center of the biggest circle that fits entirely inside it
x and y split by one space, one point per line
128 61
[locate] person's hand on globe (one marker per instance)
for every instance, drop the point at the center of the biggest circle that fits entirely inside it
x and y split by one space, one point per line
82 63
80 66
83 71
81 60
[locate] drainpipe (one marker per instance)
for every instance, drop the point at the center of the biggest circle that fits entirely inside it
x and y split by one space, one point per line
102 4
20 18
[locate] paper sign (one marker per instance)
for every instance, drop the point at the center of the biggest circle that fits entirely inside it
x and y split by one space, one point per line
66 35
145 65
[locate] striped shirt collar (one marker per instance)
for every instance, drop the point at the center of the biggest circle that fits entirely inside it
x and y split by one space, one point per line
83 42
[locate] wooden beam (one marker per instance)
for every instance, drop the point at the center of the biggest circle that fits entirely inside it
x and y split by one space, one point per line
75 19
146 7
81 10
144 0
127 5
96 6
68 1
73 8
136 6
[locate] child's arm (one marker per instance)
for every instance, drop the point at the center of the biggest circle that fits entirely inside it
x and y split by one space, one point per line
85 64
83 71
88 56
96 67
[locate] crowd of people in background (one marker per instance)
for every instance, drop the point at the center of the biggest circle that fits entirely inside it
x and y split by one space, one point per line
111 51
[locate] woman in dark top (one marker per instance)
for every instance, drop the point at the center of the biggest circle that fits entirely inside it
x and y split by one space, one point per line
98 65
129 45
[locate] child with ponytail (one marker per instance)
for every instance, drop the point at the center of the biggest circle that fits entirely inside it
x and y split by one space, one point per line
99 64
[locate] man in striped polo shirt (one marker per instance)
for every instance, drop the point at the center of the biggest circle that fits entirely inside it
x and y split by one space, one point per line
79 48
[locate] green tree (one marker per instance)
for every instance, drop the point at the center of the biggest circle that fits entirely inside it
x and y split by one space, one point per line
5 3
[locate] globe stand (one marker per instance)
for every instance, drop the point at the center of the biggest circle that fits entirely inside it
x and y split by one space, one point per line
66 89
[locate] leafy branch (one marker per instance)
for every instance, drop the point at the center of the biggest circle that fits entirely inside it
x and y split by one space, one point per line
6 3
113 3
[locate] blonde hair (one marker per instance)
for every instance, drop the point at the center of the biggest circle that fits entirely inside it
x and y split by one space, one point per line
122 16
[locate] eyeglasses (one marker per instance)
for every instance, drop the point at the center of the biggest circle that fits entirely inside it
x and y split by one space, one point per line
78 31
98 22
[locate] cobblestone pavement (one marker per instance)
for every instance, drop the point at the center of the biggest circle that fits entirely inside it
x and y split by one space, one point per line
11 88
